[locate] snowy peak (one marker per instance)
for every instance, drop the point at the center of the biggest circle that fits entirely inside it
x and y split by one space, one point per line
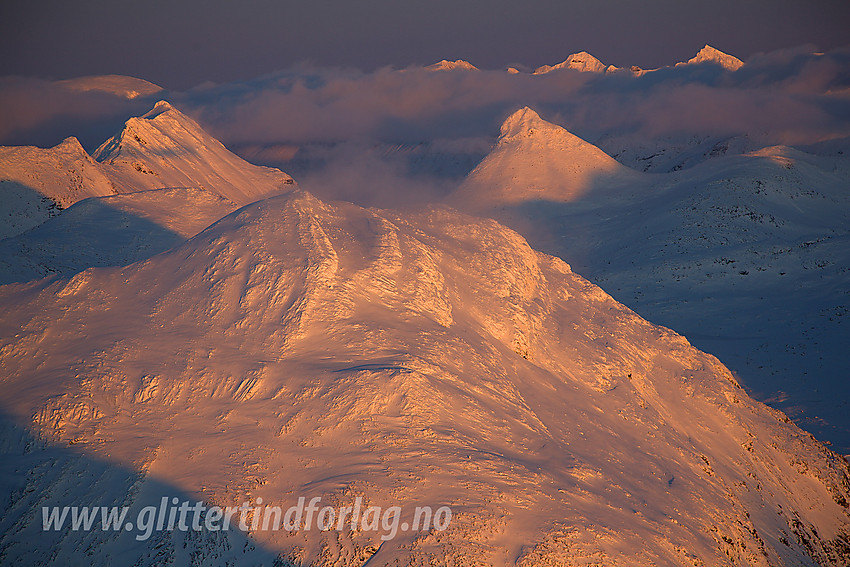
70 144
166 148
525 125
446 65
586 63
709 54
524 122
160 107
535 159
581 61
163 127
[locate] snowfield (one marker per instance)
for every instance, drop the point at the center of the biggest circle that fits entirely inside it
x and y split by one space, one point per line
302 348
746 255
527 346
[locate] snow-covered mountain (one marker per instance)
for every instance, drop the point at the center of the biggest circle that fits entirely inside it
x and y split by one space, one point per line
166 148
110 231
162 149
445 65
673 153
197 340
581 61
709 54
537 160
301 348
585 62
37 183
745 254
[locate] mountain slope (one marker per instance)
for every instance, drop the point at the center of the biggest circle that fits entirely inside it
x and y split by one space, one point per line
165 148
162 149
537 160
110 231
746 255
419 359
37 183
709 54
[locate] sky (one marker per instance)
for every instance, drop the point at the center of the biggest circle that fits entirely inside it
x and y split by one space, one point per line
180 44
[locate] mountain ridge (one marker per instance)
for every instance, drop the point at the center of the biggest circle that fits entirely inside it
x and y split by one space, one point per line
445 65
37 183
709 54
161 149
166 148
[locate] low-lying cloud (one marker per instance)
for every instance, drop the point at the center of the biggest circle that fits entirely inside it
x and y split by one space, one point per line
791 96
290 118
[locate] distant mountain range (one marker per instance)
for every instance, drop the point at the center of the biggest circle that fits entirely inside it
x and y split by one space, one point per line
587 63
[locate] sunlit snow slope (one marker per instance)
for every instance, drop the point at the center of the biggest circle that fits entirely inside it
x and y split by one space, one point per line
535 160
303 348
746 255
710 54
582 61
37 183
165 148
162 149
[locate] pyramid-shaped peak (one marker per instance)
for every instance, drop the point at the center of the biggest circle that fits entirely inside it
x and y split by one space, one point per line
161 126
533 160
709 51
581 61
709 54
71 143
582 57
166 148
526 124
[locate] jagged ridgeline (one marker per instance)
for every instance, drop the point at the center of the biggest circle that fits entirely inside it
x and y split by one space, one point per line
164 148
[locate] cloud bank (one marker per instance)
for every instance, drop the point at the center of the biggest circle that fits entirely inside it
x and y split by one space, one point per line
324 122
789 96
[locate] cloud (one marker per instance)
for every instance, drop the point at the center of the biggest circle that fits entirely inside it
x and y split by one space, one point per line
289 118
379 175
43 113
786 97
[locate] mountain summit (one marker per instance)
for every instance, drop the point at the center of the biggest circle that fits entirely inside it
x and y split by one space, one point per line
581 61
709 54
166 148
446 65
536 160
161 149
